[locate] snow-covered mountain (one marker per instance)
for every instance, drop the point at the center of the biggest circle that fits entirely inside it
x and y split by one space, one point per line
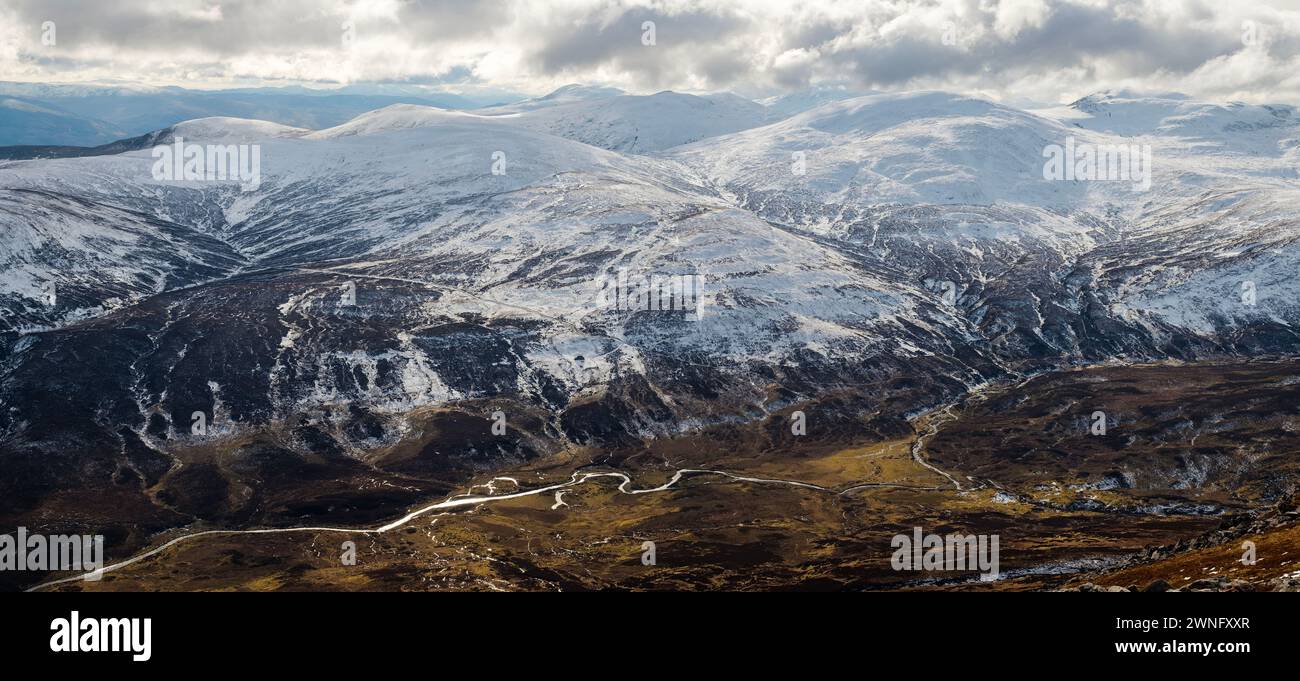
635 123
569 94
789 104
1227 126
416 258
954 186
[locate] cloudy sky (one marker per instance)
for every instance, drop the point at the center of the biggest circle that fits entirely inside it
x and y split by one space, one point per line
1039 50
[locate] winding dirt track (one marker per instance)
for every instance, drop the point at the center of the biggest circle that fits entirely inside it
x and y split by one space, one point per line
464 500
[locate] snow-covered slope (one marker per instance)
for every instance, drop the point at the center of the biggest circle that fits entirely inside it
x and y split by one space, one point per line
65 258
390 118
1174 115
929 147
569 94
890 239
912 177
784 106
237 130
638 124
455 265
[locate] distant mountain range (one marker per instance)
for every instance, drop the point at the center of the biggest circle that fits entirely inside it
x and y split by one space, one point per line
33 114
45 115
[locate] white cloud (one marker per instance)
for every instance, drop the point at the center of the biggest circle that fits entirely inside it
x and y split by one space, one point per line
1048 50
1012 16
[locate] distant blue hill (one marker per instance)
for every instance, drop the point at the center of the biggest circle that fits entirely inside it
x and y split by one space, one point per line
79 115
28 121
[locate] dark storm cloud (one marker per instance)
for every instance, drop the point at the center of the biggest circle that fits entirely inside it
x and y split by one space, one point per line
1074 34
680 40
1071 36
433 20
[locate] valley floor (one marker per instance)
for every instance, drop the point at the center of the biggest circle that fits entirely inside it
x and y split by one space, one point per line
1194 461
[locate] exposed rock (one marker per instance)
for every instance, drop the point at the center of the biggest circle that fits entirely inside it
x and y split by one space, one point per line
1287 583
1220 584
